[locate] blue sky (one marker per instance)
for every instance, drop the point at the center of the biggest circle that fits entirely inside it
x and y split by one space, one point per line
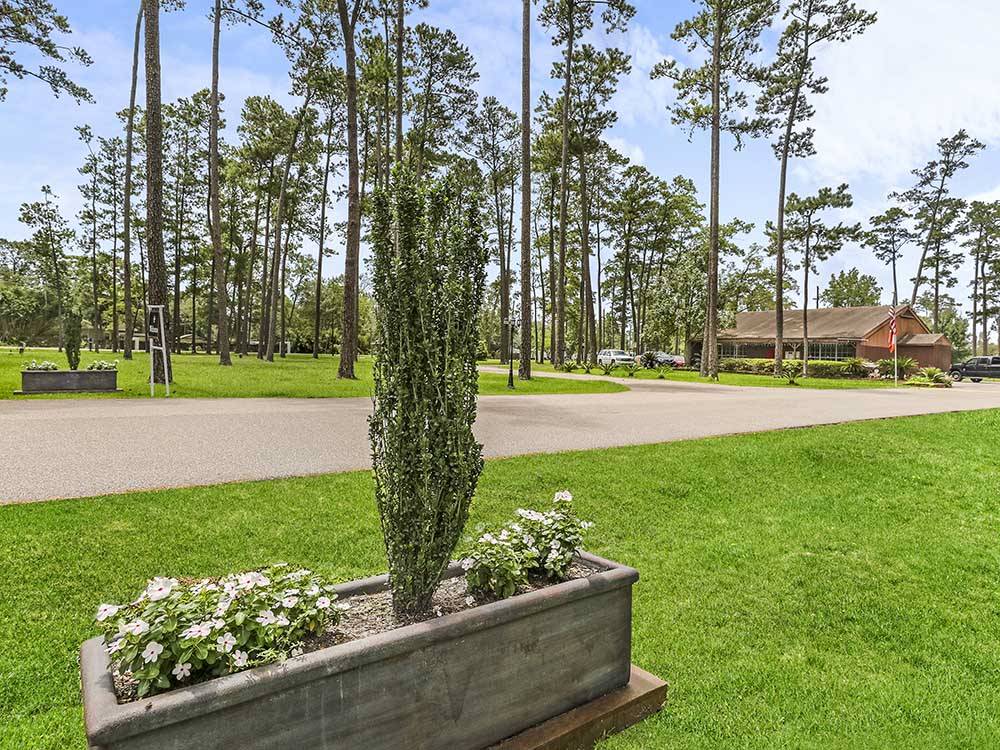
924 70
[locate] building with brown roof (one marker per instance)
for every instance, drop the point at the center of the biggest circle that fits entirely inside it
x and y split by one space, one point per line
836 333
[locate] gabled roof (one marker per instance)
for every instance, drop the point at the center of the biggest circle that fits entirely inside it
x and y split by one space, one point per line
838 323
922 339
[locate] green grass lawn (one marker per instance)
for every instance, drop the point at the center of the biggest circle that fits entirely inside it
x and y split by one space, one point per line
830 587
725 378
298 375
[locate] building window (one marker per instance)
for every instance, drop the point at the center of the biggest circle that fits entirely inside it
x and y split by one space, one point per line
836 351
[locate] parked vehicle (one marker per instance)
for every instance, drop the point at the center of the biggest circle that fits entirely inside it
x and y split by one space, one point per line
663 358
975 369
614 357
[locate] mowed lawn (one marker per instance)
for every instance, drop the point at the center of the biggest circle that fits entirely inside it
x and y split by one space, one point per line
297 375
725 378
814 588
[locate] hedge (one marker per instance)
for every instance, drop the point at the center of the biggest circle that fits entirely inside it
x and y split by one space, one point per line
818 368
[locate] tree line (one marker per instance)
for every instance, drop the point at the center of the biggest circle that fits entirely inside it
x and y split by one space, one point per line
597 252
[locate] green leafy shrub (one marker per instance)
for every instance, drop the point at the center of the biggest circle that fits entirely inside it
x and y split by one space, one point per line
854 367
72 333
176 634
43 366
482 352
631 368
818 368
569 366
907 367
931 376
103 364
663 370
587 366
608 368
791 369
648 360
429 271
536 543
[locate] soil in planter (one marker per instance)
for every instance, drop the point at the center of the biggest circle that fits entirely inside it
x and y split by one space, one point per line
372 614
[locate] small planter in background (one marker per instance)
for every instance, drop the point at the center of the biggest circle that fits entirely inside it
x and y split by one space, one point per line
68 381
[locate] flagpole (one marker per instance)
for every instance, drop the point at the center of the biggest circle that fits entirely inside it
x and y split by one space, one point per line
895 346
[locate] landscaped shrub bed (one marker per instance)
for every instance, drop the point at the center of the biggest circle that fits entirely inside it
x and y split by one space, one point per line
818 368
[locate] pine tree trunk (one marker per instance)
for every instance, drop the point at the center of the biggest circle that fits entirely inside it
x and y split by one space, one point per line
154 174
213 147
400 39
553 294
590 333
322 234
349 335
560 330
127 215
710 353
524 364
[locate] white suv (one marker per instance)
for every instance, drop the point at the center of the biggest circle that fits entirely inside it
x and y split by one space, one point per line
614 357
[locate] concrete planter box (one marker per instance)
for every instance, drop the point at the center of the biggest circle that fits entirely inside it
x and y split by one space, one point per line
69 381
463 681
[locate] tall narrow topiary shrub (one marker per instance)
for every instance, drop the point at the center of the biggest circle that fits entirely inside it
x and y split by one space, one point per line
72 324
429 271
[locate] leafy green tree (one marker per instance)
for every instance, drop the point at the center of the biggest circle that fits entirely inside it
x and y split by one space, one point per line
50 238
943 260
888 235
981 226
852 289
568 19
36 25
713 96
492 136
815 240
429 274
786 85
927 197
71 336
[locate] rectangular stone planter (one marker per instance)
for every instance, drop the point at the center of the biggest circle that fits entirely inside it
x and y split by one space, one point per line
463 681
69 381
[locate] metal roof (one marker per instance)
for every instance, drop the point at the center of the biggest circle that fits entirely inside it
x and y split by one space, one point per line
922 339
837 323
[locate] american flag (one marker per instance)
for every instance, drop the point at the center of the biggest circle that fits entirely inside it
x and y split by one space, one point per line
892 330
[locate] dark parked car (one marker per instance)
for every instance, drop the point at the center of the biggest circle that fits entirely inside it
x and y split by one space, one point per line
975 369
664 358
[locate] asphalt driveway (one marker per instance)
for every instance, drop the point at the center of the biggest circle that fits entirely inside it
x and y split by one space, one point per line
65 448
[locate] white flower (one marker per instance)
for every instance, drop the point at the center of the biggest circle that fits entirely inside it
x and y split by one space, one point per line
115 646
282 621
182 671
323 602
223 606
312 590
298 574
470 600
226 643
198 630
218 624
160 588
137 627
266 617
289 601
467 563
240 659
587 524
105 611
297 651
341 606
247 580
563 496
152 652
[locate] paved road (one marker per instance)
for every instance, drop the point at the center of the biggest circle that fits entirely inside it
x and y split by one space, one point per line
64 448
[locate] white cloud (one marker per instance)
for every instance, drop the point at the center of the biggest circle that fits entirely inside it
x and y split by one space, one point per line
633 151
923 71
640 100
